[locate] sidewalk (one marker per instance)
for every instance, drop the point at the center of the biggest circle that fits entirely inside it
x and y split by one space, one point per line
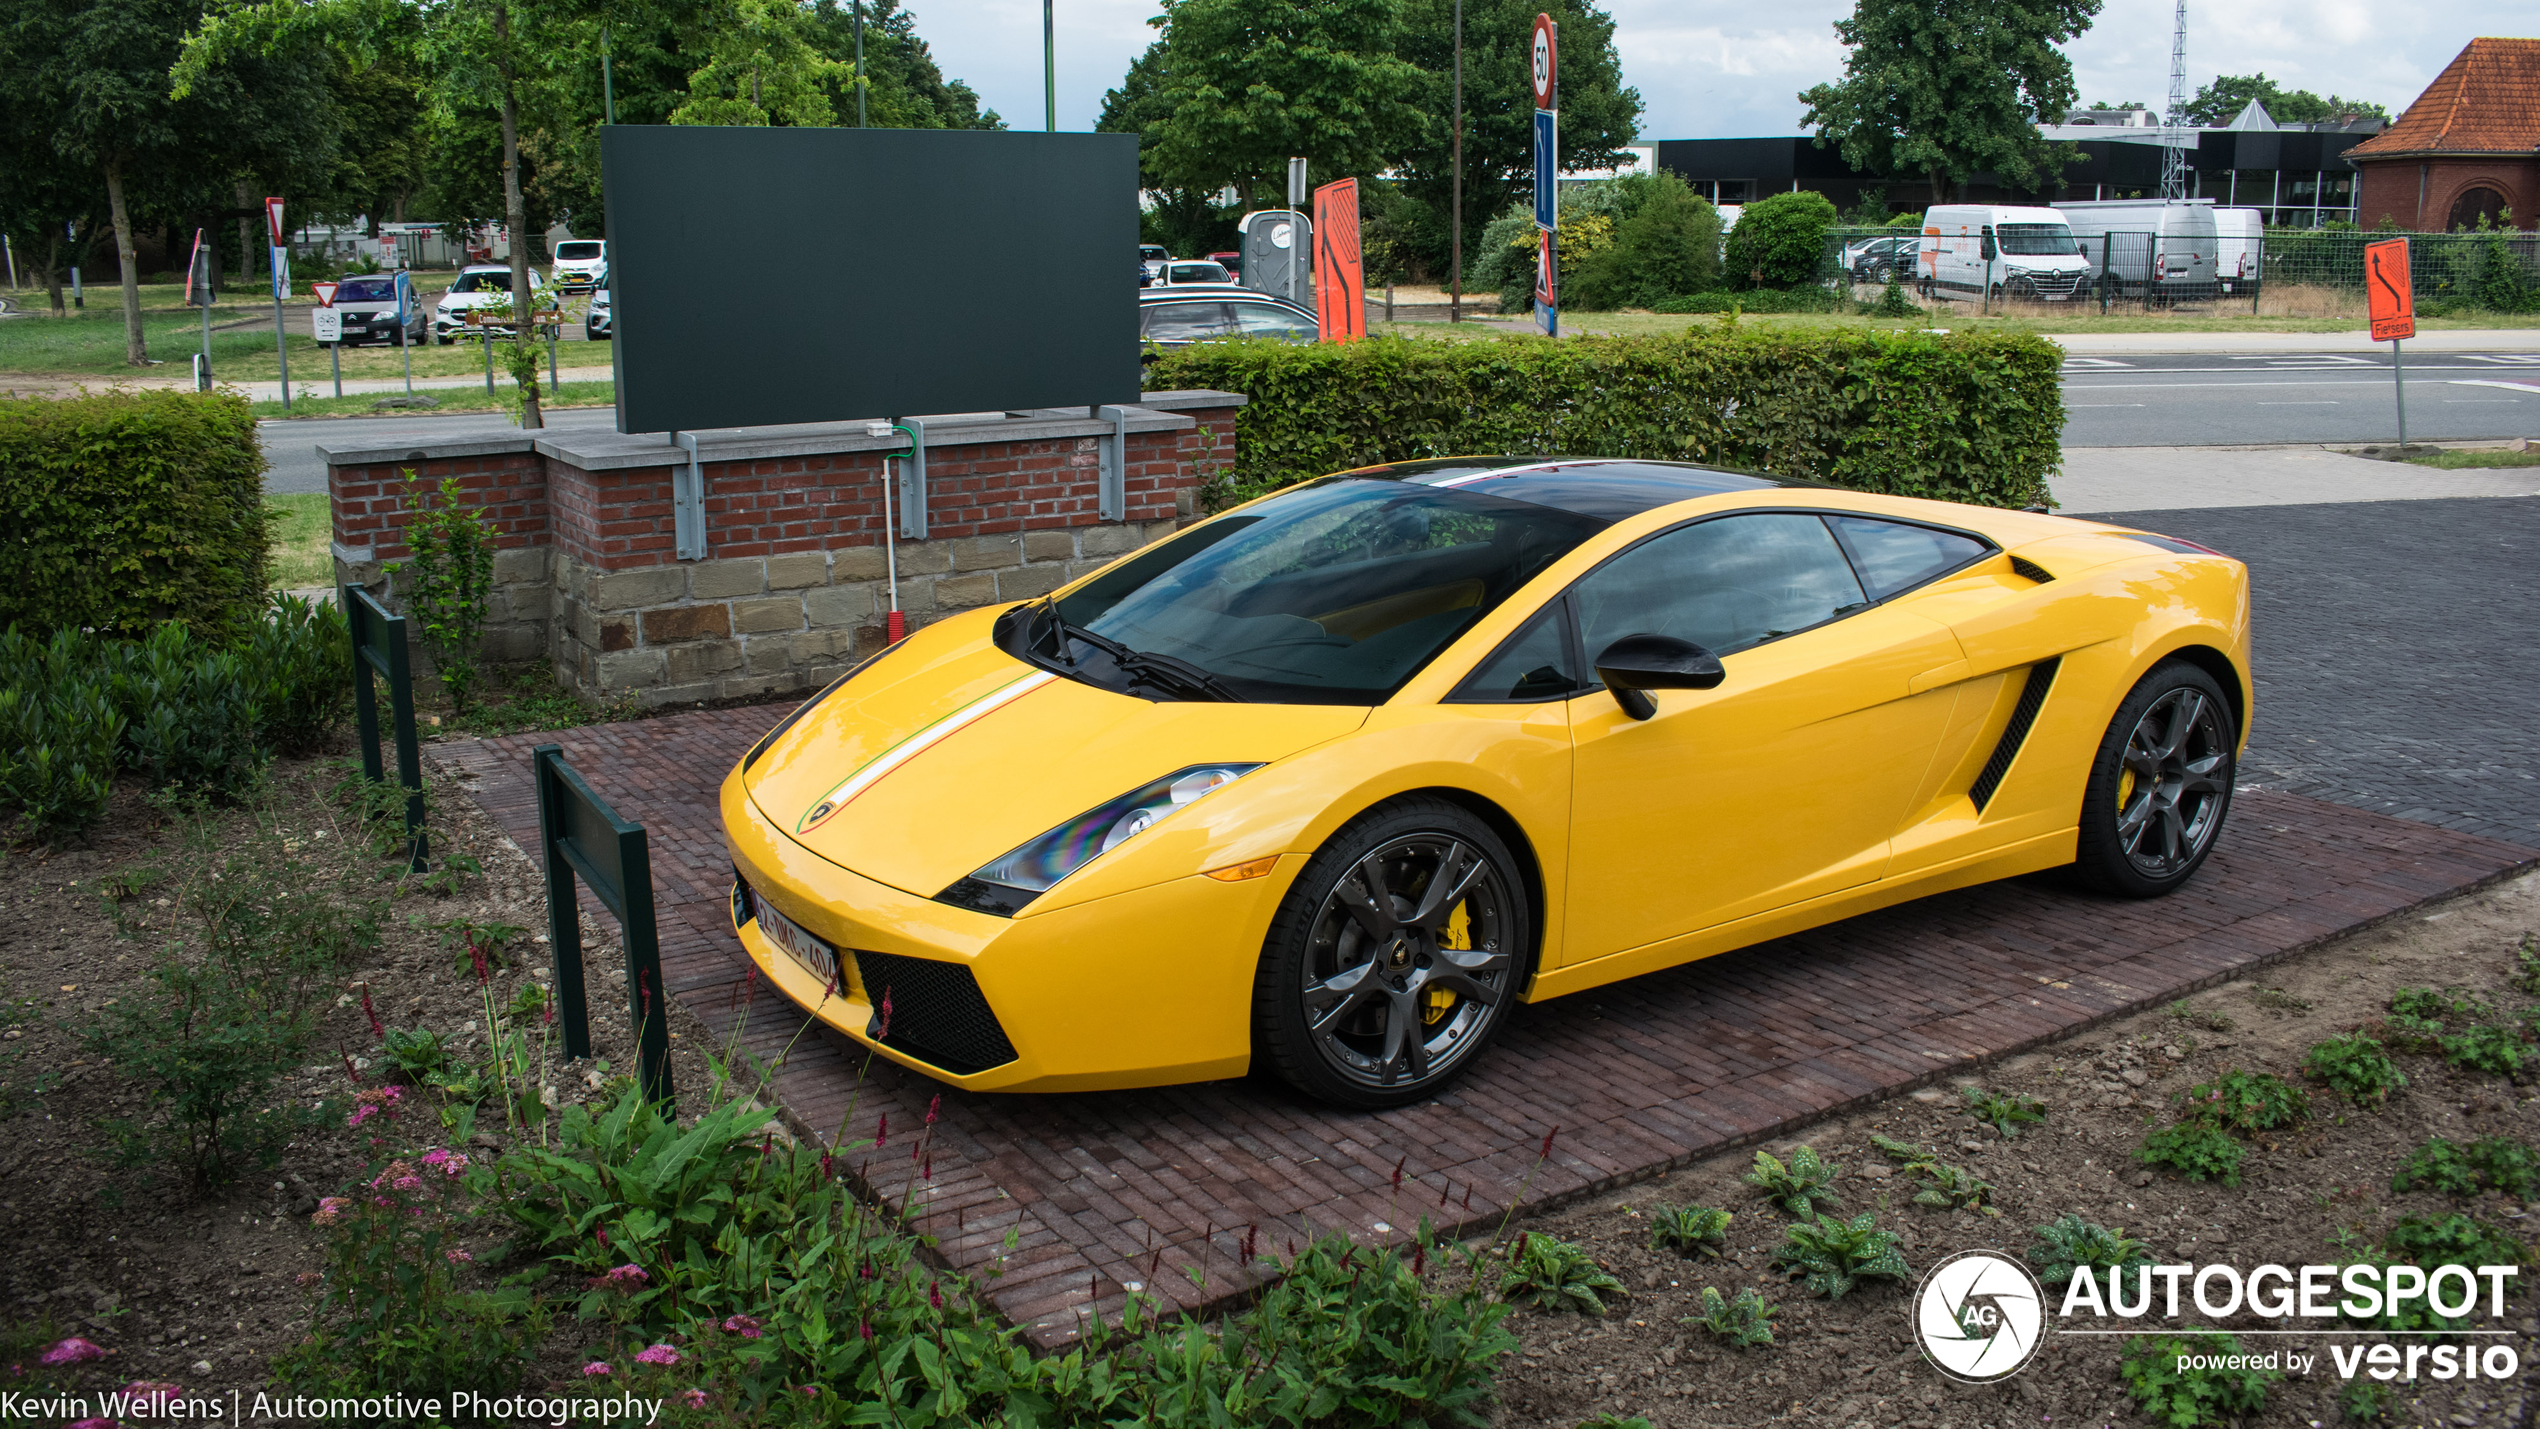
324 386
2113 479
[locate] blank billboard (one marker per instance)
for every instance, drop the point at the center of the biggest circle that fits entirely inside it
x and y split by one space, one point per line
766 276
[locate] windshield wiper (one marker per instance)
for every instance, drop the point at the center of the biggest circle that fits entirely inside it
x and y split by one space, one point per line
1162 671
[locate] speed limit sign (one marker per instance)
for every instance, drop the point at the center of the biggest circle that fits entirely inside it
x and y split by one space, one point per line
1543 62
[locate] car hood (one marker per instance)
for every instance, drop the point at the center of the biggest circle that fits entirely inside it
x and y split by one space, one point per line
948 753
480 299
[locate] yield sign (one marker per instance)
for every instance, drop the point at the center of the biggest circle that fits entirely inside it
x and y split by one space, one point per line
325 293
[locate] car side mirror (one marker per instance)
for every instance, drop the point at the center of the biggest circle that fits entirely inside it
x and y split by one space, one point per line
1636 664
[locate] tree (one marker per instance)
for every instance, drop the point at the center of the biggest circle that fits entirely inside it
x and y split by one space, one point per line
904 87
1244 85
761 68
1185 218
1948 88
1779 241
1666 244
2220 102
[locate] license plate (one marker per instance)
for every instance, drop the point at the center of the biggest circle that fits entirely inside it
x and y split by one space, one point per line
817 957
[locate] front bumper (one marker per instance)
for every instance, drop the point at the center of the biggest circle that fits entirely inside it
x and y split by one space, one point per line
1147 988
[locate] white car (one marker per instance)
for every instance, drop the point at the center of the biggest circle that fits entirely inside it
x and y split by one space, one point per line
579 264
478 284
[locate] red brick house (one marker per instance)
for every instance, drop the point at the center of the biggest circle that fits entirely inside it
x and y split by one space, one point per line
2470 145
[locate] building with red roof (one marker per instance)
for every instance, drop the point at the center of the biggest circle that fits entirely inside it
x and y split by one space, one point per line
2469 146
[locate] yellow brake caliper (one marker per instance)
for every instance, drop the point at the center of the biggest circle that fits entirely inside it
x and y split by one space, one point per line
1459 936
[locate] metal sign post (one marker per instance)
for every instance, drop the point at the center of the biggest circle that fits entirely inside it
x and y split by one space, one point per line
198 291
2390 293
327 326
281 278
404 287
379 647
1547 176
579 835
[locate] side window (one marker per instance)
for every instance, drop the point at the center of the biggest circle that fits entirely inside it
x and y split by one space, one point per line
1182 322
1264 319
1724 585
1533 665
1893 556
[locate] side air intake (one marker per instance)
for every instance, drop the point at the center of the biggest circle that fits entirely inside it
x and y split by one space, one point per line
937 1013
2031 569
2014 734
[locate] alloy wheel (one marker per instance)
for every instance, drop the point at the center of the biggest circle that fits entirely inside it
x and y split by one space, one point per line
2171 795
1408 962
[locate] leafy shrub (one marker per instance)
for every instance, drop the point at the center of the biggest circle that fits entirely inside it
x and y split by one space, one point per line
2005 1113
299 662
2355 1066
2068 1243
190 715
1894 304
2188 1398
2244 1102
1830 1257
1552 1274
61 736
2195 1151
446 582
2366 1401
1745 1322
2420 1016
2526 977
1692 1230
1779 242
1950 1188
2455 1239
129 508
1974 418
1798 1186
2491 1163
2492 1047
1666 242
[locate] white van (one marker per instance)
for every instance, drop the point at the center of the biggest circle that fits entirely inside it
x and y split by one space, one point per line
2238 244
2151 247
2014 252
579 263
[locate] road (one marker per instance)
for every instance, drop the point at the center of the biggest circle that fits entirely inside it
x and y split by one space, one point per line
2255 399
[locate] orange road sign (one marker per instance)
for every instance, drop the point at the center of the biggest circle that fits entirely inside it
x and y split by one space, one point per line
2393 301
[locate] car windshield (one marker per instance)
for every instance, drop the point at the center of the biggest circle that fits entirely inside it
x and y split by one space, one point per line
367 290
1332 593
577 252
1198 273
2037 240
482 283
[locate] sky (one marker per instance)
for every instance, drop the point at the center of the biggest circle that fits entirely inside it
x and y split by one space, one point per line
1709 70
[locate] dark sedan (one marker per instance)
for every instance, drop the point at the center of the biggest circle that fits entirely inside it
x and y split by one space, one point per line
1178 317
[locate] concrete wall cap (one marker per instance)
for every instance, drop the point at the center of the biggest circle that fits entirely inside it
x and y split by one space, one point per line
616 451
390 454
1194 397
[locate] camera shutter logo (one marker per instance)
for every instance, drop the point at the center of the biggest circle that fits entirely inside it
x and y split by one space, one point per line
1979 1316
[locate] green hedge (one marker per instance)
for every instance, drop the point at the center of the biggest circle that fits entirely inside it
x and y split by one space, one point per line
1975 418
129 508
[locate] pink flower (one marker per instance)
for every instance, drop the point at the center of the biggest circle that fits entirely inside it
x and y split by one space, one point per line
811 1389
694 1399
361 1114
330 1210
658 1354
72 1351
626 1278
743 1326
595 1369
457 1255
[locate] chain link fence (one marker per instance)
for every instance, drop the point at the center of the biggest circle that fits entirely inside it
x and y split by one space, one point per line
2283 272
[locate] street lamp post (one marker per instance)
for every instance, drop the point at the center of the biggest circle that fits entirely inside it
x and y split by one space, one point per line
1455 293
1049 58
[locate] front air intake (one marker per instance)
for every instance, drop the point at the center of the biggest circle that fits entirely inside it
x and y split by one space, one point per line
937 1013
2014 734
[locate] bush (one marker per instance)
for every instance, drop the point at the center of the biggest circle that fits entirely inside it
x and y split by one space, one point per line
1744 1322
2069 1243
446 583
2005 1113
1798 1186
130 508
2195 1151
189 713
2243 1102
2491 1047
1975 418
1943 1186
2491 1163
61 736
2355 1066
1830 1257
299 669
2187 1398
1553 1274
1666 243
1779 241
1689 1230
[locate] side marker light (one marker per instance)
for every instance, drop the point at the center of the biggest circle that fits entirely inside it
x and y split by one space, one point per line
1249 869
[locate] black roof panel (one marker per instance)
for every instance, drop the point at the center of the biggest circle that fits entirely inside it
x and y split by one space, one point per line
1606 488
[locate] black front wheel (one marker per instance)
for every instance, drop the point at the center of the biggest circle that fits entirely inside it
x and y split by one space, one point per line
2160 786
1395 958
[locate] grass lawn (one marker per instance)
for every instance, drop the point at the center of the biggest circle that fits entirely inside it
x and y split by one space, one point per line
2476 458
301 553
305 402
1956 318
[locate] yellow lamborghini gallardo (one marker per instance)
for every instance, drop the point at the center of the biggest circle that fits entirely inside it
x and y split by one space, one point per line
1326 785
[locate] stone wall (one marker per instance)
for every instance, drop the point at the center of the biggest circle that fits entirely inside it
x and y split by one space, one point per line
794 584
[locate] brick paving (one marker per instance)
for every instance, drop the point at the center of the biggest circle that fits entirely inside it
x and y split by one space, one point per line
1107 1191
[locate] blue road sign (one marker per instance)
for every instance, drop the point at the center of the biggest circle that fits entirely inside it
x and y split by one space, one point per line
1547 150
405 289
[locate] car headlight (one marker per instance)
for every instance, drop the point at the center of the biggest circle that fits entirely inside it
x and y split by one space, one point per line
1008 883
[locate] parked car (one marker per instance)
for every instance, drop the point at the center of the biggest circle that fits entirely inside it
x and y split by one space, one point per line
1326 786
579 264
475 287
599 324
1183 272
369 308
2152 248
1178 317
1233 262
2014 251
1151 257
1881 260
2239 242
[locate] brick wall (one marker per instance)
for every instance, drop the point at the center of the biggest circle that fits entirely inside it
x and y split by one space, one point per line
793 588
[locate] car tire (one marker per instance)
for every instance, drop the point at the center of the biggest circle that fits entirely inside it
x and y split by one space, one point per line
2160 786
1343 973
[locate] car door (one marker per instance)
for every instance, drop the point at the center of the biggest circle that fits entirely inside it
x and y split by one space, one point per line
1784 783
